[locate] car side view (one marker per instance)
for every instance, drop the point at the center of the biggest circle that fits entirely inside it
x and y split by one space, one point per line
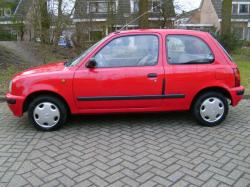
153 70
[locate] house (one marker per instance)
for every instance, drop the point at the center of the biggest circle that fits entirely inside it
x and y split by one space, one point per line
27 16
97 18
23 16
191 20
7 10
13 15
210 12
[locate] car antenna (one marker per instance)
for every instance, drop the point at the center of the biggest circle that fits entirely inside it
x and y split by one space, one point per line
140 16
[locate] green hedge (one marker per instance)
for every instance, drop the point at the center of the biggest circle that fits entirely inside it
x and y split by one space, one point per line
6 36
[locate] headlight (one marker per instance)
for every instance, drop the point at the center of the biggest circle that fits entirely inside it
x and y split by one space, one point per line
10 86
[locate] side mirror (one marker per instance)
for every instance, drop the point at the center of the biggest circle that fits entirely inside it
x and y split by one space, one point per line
91 63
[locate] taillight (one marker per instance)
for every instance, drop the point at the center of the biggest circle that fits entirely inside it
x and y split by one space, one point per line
237 77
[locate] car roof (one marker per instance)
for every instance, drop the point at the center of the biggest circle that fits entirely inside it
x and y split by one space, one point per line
163 31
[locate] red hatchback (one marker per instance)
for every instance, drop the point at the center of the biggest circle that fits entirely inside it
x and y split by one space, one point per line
132 71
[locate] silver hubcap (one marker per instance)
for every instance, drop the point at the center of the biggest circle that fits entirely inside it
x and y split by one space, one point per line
46 114
212 109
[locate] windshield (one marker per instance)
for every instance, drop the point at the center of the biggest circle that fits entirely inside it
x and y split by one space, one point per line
78 59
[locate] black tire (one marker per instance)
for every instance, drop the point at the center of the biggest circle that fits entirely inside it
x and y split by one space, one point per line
196 109
60 107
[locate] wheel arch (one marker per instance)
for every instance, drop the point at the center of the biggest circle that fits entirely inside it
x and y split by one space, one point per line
36 94
217 89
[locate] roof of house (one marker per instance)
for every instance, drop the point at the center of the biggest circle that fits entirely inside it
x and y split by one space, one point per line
218 8
188 14
9 1
22 8
8 4
123 13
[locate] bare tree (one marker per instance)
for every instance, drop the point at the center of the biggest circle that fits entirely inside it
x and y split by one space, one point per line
167 13
62 17
143 11
110 17
44 20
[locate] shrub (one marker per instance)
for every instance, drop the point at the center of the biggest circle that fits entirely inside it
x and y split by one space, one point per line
246 43
6 36
230 42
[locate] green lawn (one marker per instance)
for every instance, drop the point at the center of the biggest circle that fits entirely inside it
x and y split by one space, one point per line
242 58
244 67
10 64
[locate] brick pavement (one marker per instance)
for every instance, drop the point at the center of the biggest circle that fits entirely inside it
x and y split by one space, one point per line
127 150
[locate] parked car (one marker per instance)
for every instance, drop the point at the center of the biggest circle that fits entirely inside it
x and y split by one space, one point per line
64 42
132 71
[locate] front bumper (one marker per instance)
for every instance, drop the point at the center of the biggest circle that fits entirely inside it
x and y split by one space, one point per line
237 95
15 104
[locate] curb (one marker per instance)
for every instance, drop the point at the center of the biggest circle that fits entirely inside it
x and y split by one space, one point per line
2 98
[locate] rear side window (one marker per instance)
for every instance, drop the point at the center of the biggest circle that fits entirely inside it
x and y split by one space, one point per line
185 49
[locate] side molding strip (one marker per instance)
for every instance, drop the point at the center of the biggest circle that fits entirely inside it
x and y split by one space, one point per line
143 97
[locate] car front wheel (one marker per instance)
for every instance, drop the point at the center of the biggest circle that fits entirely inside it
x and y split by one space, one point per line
210 109
47 113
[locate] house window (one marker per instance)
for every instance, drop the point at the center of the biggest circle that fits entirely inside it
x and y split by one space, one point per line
134 6
235 9
155 6
101 6
244 9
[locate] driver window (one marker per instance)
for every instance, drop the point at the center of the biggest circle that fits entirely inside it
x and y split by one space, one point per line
129 51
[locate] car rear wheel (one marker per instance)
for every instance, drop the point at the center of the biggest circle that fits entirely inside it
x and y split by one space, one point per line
210 109
47 113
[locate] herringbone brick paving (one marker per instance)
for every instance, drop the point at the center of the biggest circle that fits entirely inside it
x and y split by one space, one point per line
127 150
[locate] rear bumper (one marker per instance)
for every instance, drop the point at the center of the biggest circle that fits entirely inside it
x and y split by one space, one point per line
15 104
237 95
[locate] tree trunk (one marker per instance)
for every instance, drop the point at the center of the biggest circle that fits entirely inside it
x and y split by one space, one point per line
226 17
143 10
110 18
168 12
59 22
45 21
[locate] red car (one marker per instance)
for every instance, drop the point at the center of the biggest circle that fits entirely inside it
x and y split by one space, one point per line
132 71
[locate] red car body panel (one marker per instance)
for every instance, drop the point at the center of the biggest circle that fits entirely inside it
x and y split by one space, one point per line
128 89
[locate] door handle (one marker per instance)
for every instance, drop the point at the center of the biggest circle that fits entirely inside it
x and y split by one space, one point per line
152 75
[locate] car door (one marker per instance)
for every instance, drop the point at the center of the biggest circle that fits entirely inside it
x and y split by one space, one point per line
190 60
128 74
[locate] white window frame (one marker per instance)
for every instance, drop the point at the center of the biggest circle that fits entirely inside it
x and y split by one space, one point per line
247 8
102 1
237 12
151 5
241 3
132 7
